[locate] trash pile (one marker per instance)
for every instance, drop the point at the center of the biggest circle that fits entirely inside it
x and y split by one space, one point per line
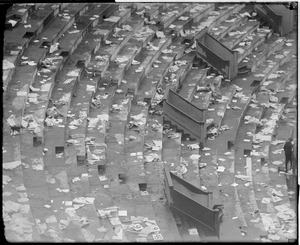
16 218
101 60
241 96
151 157
137 122
77 122
32 123
249 119
52 114
158 97
127 228
181 169
156 145
283 226
145 31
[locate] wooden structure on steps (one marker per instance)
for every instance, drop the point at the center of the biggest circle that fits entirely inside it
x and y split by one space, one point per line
184 115
185 198
218 56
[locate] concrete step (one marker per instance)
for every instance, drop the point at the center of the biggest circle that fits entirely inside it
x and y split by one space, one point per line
154 176
133 47
83 26
263 51
16 197
213 19
189 85
137 42
236 19
106 163
252 42
171 149
178 72
202 98
18 40
239 34
184 21
267 174
148 55
61 90
39 109
26 73
246 129
216 111
158 72
243 163
170 13
192 165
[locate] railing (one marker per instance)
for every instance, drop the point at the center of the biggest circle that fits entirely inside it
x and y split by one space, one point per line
218 55
278 16
184 114
191 201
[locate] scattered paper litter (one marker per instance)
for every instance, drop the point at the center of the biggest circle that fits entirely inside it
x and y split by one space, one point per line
69 80
277 162
90 88
276 199
221 169
74 73
6 179
266 200
193 231
122 212
12 22
243 177
277 193
51 219
75 31
195 156
160 34
276 142
11 165
193 146
46 87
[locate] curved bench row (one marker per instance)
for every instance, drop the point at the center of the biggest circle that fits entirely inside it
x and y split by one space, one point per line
276 183
115 160
227 166
37 51
240 167
54 172
51 189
